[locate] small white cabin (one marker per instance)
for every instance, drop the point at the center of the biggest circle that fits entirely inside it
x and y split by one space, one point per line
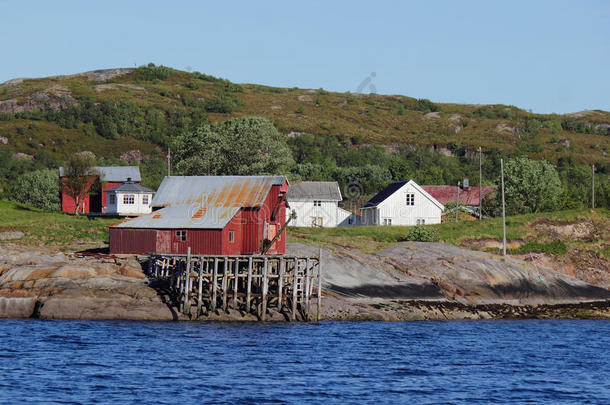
402 203
129 198
316 204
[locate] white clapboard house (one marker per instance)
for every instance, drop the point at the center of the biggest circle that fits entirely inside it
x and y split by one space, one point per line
129 199
402 203
316 204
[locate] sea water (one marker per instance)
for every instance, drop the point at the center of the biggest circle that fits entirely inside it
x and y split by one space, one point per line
550 361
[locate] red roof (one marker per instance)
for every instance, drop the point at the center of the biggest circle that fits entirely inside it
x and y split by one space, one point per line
468 196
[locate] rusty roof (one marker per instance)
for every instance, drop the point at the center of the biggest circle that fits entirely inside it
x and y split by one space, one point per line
204 202
215 191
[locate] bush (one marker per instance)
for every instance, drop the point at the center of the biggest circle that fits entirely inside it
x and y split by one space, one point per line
223 104
152 73
556 247
39 189
421 233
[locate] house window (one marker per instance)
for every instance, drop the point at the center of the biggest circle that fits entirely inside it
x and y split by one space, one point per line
231 236
181 236
112 199
387 221
317 203
421 222
410 199
129 199
316 222
145 199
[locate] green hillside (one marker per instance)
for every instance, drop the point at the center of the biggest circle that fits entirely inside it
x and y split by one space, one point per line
132 115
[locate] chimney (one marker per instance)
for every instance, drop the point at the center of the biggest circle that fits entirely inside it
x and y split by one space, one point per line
128 179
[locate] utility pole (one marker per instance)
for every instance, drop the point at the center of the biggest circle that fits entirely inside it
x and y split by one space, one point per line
503 210
480 187
593 186
457 202
168 161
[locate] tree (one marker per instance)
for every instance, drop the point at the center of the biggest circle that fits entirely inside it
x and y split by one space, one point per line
38 189
240 146
530 186
77 179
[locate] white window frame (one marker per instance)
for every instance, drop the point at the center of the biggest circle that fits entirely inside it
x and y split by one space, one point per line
181 236
231 236
410 199
129 199
421 221
145 199
317 222
317 203
387 221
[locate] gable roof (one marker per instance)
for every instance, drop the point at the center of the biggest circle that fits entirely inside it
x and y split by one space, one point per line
204 202
385 193
215 191
113 173
314 190
129 187
468 196
394 187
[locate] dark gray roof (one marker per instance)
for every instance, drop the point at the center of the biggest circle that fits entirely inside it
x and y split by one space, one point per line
130 187
114 173
385 193
314 190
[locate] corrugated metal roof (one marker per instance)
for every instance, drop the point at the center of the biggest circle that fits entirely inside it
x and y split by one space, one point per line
215 191
130 187
184 216
468 196
114 173
385 193
314 190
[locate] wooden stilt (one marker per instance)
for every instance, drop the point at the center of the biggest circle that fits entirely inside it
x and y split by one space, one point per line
306 292
187 281
199 287
294 289
280 284
319 301
265 287
249 285
215 284
224 283
235 282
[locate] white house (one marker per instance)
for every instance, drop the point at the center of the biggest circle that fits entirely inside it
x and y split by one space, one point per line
316 205
402 203
129 198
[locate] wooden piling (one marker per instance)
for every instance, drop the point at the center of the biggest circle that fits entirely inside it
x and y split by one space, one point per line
214 284
235 282
249 286
265 287
224 283
199 287
280 285
319 298
294 289
305 294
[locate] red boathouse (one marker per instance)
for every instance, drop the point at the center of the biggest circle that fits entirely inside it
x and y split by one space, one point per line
104 178
213 215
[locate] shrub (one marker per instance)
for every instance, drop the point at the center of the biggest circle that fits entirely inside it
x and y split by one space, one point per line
39 189
421 233
153 73
223 104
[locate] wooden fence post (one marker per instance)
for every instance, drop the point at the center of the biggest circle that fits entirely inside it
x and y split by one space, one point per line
249 286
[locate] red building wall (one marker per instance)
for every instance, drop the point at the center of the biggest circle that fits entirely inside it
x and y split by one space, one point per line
247 227
68 204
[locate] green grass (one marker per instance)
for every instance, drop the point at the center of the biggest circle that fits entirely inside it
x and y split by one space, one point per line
464 233
52 228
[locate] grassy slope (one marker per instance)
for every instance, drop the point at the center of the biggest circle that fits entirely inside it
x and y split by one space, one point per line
52 228
383 119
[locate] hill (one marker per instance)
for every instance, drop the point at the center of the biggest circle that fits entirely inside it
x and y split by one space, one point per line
131 115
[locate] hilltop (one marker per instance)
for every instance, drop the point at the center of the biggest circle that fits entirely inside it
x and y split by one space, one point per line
132 114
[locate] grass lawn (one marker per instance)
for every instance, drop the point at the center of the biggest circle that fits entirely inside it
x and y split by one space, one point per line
52 228
371 238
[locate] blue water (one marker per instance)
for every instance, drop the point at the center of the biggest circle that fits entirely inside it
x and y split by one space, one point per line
367 362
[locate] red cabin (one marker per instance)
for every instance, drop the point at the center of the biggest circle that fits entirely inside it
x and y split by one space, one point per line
213 215
104 179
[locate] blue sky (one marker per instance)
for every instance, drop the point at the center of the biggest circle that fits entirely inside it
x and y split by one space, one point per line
548 56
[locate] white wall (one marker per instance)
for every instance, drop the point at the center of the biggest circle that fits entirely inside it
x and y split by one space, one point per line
395 207
129 209
329 211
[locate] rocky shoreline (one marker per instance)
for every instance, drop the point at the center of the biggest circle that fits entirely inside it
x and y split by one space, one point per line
408 281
